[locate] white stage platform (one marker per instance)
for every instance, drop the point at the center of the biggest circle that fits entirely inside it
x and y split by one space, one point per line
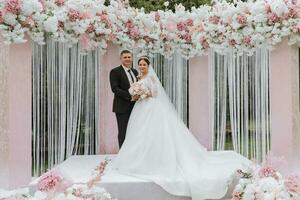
79 169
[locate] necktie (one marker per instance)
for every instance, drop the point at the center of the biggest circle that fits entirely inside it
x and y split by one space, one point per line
131 76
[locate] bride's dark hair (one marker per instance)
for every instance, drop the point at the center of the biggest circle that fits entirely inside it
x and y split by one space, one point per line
144 58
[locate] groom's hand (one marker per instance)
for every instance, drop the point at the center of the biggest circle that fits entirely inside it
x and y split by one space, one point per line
135 98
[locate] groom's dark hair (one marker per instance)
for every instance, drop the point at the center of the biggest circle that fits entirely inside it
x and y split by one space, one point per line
125 51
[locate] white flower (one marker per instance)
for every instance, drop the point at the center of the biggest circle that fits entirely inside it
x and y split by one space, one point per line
279 7
258 7
51 24
10 19
30 6
40 195
166 4
268 184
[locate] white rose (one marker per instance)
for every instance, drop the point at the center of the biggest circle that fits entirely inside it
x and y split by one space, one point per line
30 6
268 184
258 7
51 24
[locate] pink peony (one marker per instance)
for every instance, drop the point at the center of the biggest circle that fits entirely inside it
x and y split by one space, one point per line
50 181
293 184
214 19
13 6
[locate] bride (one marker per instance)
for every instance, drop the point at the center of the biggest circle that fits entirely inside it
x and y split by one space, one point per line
160 148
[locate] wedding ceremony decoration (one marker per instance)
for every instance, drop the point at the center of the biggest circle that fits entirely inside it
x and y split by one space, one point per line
242 26
266 182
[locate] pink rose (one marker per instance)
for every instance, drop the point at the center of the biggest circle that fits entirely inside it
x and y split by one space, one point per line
52 181
90 28
60 25
232 42
13 6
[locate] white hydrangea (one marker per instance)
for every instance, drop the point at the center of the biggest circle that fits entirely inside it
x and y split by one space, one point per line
51 24
10 19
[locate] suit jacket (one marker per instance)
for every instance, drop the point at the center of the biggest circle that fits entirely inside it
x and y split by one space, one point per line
120 84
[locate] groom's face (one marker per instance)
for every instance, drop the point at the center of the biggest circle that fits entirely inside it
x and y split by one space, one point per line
126 59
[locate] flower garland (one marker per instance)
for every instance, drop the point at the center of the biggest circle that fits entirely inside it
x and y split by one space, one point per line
242 26
265 182
53 185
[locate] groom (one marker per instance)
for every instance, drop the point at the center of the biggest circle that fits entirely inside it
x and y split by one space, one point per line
121 78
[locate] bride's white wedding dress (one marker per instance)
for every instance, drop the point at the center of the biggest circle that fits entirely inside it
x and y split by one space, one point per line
159 147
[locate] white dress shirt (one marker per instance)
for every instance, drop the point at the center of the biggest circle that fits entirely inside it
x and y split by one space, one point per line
128 75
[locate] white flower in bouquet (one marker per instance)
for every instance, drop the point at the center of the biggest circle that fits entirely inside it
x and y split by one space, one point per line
51 24
258 7
268 184
139 89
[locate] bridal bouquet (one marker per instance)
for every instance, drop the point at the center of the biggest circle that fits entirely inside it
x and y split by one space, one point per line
139 89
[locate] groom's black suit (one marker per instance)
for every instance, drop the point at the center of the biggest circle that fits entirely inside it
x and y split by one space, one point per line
122 104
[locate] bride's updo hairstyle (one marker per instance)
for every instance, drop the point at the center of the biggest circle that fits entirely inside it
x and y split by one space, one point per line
144 58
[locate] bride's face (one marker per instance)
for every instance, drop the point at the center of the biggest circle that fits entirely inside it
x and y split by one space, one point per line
143 67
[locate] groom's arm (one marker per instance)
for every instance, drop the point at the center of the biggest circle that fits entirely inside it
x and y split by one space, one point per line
114 84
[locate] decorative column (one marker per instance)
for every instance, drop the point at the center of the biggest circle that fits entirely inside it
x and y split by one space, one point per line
15 115
284 97
199 100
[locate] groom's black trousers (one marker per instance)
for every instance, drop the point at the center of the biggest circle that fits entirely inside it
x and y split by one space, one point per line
122 120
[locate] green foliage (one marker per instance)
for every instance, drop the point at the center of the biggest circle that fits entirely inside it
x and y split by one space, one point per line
153 5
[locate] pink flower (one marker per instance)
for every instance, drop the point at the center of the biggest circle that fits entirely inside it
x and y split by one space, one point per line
187 37
247 39
189 22
214 19
147 39
90 28
1 16
60 25
268 171
237 195
60 2
181 26
104 18
73 15
204 43
272 18
293 184
50 181
13 6
242 19
232 42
